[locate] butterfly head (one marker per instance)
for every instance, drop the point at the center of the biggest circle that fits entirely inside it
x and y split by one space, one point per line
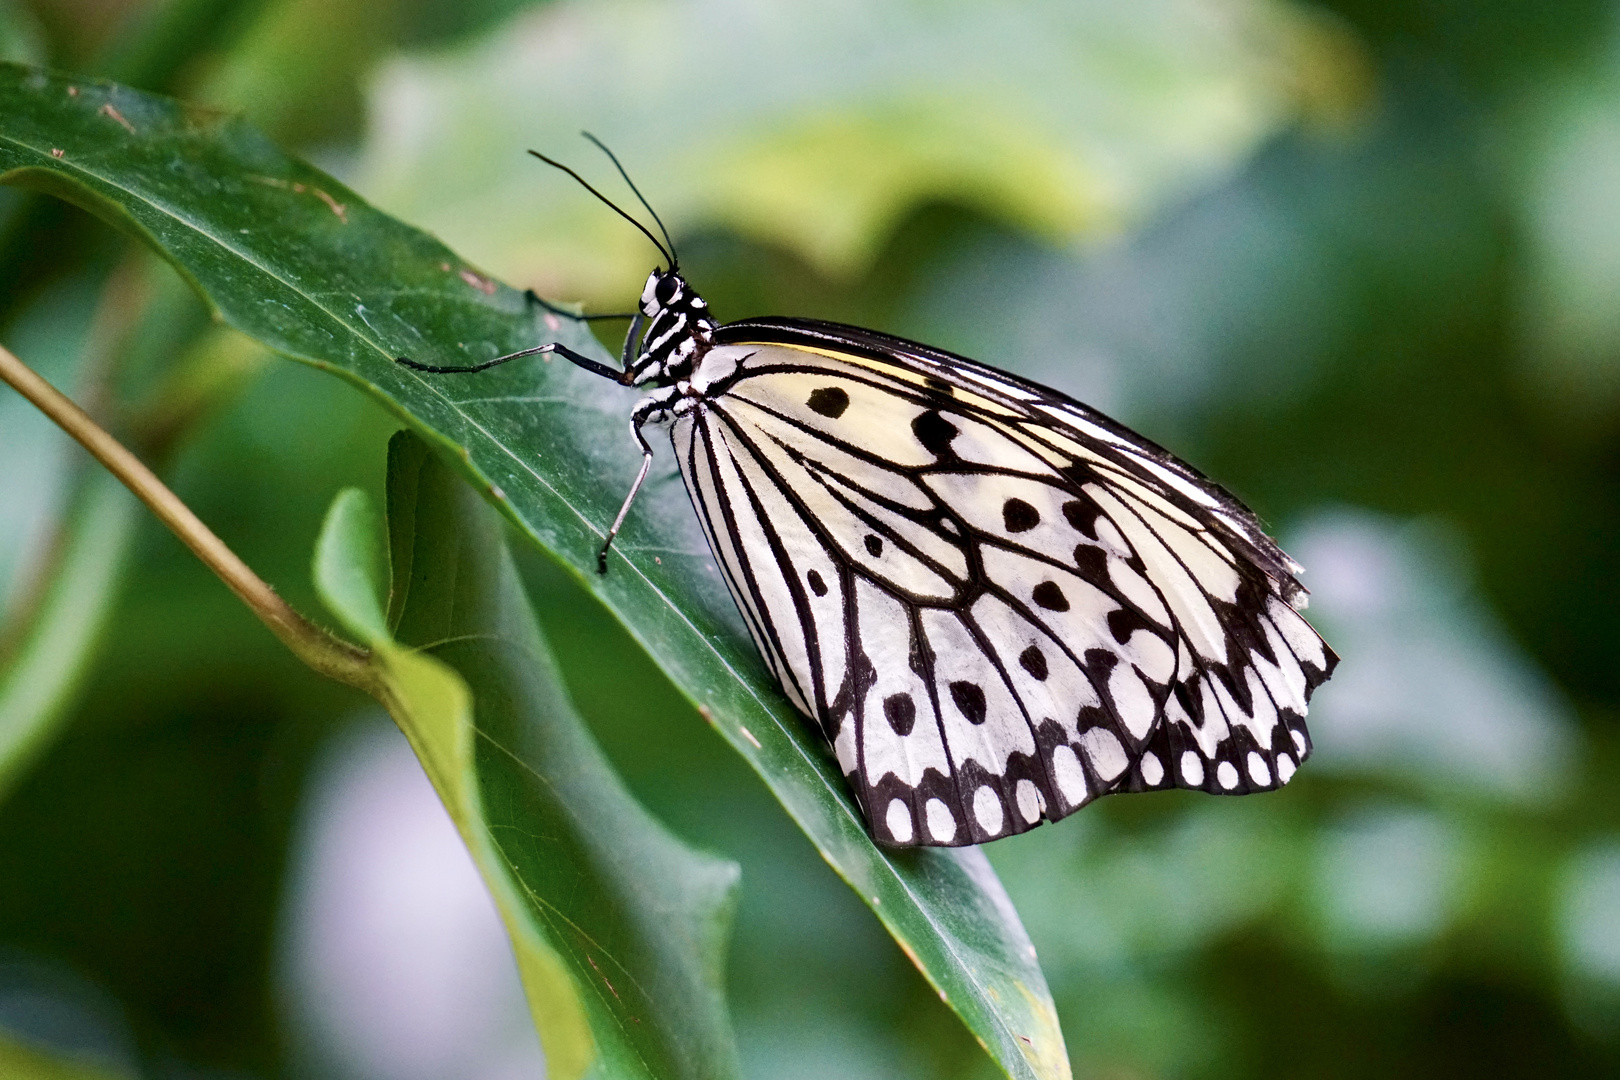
678 330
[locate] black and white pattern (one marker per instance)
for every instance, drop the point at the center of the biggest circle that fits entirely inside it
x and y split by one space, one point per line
997 603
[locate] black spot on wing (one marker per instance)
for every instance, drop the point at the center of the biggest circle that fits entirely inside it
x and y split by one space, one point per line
817 585
1123 622
969 697
874 545
829 401
1019 516
1092 562
934 432
1049 596
1033 661
1079 474
901 713
1081 514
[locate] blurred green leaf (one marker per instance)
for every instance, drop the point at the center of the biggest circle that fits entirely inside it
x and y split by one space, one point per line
159 40
293 69
818 127
43 665
63 529
619 929
24 1061
296 260
21 39
1567 143
51 629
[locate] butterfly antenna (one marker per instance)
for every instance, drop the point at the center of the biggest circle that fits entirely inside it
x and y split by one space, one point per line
674 259
611 205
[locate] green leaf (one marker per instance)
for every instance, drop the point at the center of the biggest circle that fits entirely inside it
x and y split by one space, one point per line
351 567
42 666
818 127
291 257
619 928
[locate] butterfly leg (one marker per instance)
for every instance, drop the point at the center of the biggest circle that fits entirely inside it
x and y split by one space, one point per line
595 367
592 366
652 408
533 299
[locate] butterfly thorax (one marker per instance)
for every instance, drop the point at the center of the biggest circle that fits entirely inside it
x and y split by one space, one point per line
678 331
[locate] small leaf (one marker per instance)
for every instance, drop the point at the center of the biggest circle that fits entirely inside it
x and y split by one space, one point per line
291 257
349 568
619 928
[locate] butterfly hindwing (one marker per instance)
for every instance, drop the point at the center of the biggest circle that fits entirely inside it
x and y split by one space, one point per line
998 604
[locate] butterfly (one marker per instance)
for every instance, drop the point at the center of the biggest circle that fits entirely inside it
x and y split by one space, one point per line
996 603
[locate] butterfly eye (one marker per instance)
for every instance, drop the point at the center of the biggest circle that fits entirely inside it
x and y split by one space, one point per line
667 290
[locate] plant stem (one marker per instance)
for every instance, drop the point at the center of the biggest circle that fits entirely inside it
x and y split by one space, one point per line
314 646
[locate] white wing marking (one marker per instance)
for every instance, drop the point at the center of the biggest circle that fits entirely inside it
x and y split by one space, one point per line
1002 730
1214 574
882 421
981 500
1133 701
1070 777
986 444
1000 386
941 552
989 810
1289 689
1150 653
1194 615
1297 632
885 637
698 469
1128 485
847 530
1214 731
1064 691
1056 440
1078 421
1181 483
1134 587
759 558
829 455
1109 536
1104 752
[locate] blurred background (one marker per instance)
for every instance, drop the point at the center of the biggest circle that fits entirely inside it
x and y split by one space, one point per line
1360 261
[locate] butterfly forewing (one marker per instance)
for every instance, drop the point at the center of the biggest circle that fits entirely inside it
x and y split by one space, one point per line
998 604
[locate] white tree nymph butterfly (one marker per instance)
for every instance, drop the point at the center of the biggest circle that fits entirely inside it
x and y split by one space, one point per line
996 603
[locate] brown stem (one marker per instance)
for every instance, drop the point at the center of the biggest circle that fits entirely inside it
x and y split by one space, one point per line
314 646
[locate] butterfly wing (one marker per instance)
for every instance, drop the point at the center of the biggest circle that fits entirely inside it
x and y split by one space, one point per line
998 604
